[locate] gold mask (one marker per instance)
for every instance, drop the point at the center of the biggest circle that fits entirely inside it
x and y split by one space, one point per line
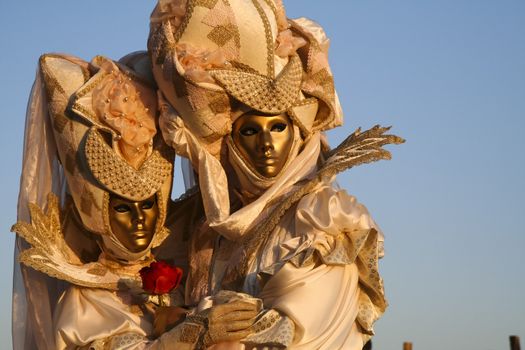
133 223
264 141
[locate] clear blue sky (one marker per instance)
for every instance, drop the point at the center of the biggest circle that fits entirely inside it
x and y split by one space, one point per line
449 75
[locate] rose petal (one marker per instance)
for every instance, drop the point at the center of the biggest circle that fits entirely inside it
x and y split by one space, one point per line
163 285
160 277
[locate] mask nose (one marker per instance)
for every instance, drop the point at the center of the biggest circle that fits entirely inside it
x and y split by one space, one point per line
266 143
138 216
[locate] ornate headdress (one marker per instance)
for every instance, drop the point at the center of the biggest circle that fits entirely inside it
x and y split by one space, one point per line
213 60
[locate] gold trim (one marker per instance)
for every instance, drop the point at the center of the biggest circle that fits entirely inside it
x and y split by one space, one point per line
90 85
51 82
269 40
209 4
190 7
105 214
297 119
260 92
271 5
92 118
87 114
313 45
117 176
81 110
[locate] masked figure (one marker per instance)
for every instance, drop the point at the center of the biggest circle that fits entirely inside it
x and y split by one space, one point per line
93 247
247 94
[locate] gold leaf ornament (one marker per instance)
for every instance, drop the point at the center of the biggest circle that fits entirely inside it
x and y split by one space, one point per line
50 254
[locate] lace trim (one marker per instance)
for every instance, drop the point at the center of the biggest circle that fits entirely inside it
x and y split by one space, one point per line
272 330
269 40
125 340
260 92
120 177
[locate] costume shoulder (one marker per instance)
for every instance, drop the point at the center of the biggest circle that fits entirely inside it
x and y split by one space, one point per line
331 210
334 229
85 315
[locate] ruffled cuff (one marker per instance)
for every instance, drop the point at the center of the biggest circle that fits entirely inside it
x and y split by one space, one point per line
183 337
271 331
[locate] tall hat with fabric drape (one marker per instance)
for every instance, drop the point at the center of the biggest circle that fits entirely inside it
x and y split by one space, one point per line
208 55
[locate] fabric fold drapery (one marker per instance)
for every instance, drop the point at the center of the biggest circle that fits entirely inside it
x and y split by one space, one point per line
35 294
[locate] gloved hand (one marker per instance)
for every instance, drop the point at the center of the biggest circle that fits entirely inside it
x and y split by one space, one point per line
230 322
225 317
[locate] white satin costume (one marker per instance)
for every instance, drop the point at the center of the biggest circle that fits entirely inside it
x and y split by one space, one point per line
309 250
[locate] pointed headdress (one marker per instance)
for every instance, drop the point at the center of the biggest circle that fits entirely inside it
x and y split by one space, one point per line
215 59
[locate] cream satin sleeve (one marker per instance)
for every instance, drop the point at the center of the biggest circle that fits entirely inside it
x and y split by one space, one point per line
327 279
84 315
322 302
342 233
98 319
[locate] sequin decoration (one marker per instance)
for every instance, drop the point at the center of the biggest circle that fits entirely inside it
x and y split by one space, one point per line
121 178
260 92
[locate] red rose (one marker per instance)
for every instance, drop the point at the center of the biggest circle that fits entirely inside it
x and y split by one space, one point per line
160 277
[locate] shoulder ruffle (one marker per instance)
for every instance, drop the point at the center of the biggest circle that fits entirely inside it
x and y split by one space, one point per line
333 228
